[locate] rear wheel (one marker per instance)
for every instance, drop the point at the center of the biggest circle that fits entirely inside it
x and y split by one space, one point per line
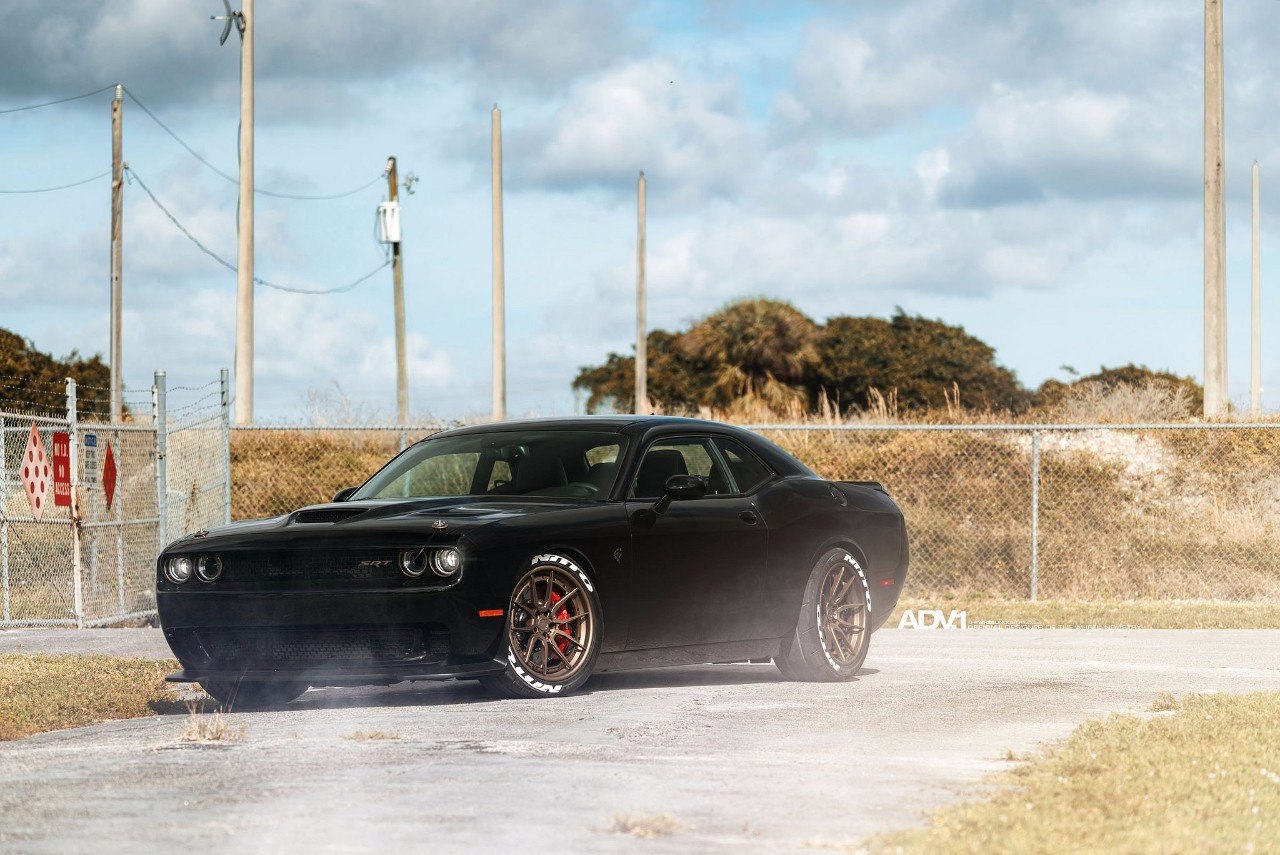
833 630
237 694
553 631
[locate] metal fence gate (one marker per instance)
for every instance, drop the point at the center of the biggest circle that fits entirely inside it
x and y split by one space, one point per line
85 556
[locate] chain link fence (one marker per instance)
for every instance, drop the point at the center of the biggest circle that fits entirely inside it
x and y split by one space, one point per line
1085 512
1072 511
275 470
84 555
1017 511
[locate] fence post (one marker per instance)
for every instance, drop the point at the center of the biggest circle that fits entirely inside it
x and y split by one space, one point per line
4 531
77 575
225 381
1035 514
158 403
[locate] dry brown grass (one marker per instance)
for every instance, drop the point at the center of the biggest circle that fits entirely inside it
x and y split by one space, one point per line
645 825
1205 778
1124 514
204 728
370 736
1091 614
41 693
278 471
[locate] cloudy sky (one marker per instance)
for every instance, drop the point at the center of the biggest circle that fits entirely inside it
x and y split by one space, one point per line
1029 170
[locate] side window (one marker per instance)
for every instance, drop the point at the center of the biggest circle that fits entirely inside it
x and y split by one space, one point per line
499 477
602 466
679 456
748 470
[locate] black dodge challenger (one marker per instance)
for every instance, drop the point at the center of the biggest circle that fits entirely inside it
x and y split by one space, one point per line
531 554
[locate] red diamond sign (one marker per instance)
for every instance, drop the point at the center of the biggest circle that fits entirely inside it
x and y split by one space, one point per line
36 474
109 476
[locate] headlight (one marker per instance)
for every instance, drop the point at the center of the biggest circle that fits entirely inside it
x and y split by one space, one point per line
446 562
208 567
413 562
179 569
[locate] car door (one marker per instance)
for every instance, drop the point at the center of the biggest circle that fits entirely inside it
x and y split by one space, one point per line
698 566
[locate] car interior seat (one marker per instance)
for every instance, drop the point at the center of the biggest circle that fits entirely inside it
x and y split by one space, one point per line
658 466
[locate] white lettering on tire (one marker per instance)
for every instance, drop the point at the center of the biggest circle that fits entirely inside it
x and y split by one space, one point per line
529 680
866 589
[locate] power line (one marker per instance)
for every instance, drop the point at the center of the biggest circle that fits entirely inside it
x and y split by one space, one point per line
231 178
220 260
61 186
58 101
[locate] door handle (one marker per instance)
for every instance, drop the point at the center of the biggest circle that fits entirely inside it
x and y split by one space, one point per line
748 517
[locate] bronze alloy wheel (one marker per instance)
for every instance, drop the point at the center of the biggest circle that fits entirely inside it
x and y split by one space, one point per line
842 612
552 627
833 630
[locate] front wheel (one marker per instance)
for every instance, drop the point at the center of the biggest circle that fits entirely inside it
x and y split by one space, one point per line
553 631
253 694
833 629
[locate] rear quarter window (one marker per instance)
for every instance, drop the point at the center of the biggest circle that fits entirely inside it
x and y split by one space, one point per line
748 470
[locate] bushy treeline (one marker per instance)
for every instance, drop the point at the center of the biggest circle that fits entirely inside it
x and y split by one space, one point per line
766 354
31 379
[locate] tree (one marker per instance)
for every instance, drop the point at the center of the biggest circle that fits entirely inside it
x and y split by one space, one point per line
32 379
922 360
1052 392
758 349
676 381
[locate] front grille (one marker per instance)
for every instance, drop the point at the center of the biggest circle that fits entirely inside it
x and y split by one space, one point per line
312 568
343 646
328 515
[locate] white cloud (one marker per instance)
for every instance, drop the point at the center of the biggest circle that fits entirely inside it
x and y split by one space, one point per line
301 343
688 133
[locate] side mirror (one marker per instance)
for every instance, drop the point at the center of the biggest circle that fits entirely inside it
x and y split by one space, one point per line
344 494
680 487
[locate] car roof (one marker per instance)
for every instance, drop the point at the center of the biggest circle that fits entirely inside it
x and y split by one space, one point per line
644 426
614 423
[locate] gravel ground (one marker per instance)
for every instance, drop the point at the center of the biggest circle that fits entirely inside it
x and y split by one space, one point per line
739 759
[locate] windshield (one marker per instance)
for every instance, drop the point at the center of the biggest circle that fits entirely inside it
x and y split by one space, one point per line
565 463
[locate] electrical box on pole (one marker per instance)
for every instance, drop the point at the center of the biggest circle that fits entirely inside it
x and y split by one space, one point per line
389 222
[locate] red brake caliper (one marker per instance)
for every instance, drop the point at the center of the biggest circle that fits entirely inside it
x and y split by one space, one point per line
561 643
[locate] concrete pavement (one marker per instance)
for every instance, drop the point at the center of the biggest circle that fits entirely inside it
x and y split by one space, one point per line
742 760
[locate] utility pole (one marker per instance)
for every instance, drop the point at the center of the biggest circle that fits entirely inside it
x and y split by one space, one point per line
499 276
117 248
642 342
244 258
397 272
1215 223
1255 372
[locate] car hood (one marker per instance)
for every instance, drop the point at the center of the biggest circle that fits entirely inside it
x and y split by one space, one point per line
440 520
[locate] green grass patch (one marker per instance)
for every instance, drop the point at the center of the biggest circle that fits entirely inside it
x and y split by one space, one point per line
42 693
1078 614
1204 777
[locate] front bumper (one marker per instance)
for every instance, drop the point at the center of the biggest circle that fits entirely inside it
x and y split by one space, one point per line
329 637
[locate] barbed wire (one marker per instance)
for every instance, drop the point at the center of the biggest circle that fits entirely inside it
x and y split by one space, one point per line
199 403
194 388
227 264
234 180
60 186
56 101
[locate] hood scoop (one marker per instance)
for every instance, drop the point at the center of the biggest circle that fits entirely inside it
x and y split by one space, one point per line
327 515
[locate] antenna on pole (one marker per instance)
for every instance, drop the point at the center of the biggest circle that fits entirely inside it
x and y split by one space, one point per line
236 18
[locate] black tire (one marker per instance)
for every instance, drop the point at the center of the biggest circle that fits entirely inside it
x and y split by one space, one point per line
253 694
552 633
833 629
